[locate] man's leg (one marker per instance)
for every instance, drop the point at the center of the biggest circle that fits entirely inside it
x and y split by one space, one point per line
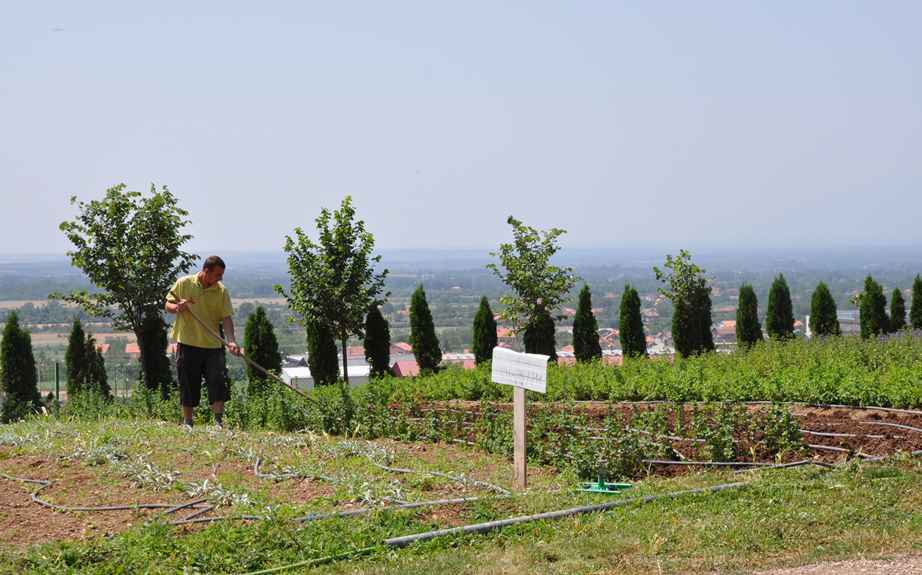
187 414
218 409
189 362
217 384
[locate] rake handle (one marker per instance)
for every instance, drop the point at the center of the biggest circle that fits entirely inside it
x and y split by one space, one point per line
249 361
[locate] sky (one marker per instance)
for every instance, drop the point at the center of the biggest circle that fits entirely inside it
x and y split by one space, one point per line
629 124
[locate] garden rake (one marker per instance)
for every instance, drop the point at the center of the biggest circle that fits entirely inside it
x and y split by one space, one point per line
249 361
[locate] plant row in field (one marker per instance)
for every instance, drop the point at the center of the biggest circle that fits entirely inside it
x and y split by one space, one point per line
611 445
845 370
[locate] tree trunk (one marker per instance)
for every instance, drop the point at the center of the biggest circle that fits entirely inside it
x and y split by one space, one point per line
345 361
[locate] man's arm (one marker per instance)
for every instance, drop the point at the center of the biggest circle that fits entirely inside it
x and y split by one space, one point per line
230 336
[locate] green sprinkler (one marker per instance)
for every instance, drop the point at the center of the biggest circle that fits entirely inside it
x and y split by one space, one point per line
601 486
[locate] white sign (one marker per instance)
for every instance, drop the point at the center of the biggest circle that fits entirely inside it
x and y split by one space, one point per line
525 370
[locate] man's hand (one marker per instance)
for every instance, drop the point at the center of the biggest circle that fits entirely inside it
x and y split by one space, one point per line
180 306
233 348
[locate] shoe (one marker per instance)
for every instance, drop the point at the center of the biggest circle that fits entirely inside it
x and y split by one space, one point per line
187 428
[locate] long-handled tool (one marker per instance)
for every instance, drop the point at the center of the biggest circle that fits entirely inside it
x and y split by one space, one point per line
216 335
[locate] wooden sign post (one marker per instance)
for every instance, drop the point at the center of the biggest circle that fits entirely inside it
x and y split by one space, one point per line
523 371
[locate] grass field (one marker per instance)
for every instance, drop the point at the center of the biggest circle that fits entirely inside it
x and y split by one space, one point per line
780 517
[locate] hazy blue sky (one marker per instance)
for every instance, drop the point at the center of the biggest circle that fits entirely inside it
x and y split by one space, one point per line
667 123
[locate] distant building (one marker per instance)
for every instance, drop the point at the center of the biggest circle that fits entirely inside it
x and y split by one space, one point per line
849 323
301 378
405 368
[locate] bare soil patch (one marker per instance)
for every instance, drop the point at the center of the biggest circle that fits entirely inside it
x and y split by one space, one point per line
24 522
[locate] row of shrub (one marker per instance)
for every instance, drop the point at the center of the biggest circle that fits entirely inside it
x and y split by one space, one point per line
611 446
845 370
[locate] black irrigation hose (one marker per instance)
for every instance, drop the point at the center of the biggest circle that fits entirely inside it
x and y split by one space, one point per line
875 458
485 484
290 475
315 562
550 515
200 512
405 540
888 424
349 513
707 463
832 434
757 402
45 484
867 407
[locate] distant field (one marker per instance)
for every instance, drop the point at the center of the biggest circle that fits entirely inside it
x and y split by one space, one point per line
18 303
60 338
260 300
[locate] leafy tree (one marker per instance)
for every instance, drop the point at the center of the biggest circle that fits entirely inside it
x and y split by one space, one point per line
423 338
540 336
18 375
748 328
334 282
897 311
321 354
690 294
262 347
915 312
484 338
524 266
586 329
129 245
872 309
630 325
779 319
824 320
377 342
96 377
76 361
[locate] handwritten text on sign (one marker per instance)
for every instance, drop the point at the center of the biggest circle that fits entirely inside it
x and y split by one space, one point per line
526 370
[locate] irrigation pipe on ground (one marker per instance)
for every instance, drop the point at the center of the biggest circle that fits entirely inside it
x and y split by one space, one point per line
45 484
405 540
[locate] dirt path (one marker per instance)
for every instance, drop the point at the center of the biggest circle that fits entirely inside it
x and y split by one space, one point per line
905 565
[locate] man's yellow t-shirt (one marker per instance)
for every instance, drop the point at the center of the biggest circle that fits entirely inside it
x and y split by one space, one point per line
211 305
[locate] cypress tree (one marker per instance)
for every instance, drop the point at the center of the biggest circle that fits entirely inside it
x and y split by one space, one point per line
748 328
155 365
423 338
586 329
96 377
377 342
701 315
779 319
630 325
321 354
262 347
915 312
540 335
76 360
18 376
484 337
897 311
873 310
690 294
823 318
683 337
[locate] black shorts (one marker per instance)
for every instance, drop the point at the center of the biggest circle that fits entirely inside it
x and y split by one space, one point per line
194 363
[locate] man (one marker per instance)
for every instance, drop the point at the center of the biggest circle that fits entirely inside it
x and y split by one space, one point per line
198 352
